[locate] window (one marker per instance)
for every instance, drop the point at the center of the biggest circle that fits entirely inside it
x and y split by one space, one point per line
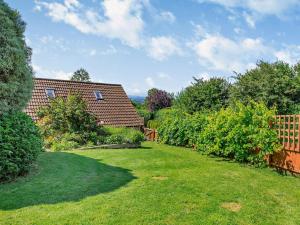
50 93
98 95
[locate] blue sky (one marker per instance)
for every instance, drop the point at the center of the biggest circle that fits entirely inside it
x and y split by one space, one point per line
158 43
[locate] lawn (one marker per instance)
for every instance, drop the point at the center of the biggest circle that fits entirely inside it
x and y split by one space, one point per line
156 184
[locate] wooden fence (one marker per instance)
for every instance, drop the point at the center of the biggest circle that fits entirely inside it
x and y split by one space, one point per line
150 134
288 130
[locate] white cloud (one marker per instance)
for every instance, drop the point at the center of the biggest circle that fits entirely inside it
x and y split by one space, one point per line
46 39
167 16
49 41
254 10
54 74
121 19
93 52
109 51
289 54
150 82
72 4
134 90
199 30
37 8
264 7
163 47
162 75
249 19
237 30
217 52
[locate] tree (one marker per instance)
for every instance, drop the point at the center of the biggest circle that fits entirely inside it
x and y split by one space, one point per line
81 75
15 71
20 140
275 84
212 94
158 99
68 118
67 115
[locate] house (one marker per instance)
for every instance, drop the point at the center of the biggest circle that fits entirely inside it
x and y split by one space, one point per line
108 102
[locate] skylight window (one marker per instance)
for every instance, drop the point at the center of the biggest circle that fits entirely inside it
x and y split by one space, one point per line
50 93
98 95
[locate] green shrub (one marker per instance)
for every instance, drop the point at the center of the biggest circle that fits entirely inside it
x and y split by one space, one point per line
64 145
120 135
134 136
153 124
144 113
20 144
115 139
275 84
240 132
181 129
68 121
211 94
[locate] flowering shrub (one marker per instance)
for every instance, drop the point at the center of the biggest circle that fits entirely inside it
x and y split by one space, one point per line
158 99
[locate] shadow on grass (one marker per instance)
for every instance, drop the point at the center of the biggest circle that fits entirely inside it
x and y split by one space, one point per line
63 177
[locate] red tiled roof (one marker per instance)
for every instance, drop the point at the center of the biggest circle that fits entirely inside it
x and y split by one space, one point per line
114 109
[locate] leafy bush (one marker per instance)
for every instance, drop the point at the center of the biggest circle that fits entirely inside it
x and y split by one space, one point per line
142 110
20 144
159 116
115 139
146 114
120 135
67 141
134 136
158 99
154 124
179 128
67 121
275 84
204 95
240 132
64 145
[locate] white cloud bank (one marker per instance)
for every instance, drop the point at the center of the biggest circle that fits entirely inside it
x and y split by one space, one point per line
163 47
253 10
54 74
264 7
216 52
121 19
224 54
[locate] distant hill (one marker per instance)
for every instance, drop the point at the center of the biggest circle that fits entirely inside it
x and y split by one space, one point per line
139 99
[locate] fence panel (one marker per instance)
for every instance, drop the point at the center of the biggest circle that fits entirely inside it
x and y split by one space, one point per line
150 134
288 130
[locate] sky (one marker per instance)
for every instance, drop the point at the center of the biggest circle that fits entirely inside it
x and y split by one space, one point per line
143 44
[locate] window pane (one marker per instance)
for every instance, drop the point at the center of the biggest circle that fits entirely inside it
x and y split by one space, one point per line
50 93
98 95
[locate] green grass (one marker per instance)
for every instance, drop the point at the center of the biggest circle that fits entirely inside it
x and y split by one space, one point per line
156 184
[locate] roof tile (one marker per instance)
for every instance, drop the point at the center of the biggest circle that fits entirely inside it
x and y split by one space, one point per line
115 108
